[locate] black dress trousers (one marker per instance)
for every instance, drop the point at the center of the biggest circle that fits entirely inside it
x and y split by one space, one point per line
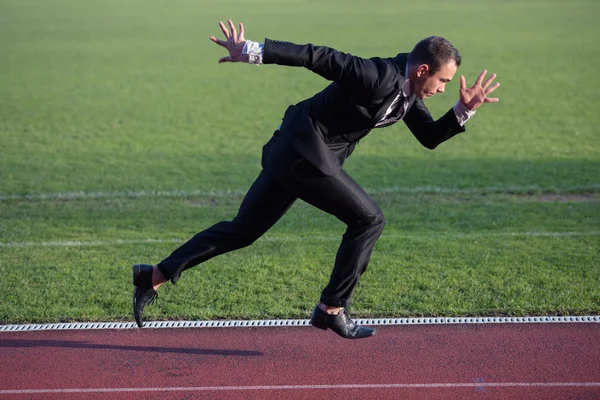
287 176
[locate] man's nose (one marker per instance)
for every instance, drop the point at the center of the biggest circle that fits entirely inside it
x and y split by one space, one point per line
442 89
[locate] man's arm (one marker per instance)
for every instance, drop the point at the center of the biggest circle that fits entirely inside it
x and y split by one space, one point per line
428 132
431 133
331 64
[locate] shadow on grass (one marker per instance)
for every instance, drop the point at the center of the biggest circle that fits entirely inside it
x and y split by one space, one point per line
236 173
377 172
85 345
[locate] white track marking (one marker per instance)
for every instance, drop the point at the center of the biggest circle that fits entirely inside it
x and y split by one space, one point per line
309 387
81 195
266 323
77 243
300 238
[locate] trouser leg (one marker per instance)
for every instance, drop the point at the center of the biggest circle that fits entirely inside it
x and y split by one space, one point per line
262 207
341 196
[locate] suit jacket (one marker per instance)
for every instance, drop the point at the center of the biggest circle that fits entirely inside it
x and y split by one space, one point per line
325 128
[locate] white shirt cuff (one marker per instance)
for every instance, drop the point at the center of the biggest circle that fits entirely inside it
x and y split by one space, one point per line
252 53
462 113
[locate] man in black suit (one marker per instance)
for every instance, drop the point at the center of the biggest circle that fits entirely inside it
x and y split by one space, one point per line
304 158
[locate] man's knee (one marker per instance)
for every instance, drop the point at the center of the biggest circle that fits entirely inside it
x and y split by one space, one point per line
372 221
379 221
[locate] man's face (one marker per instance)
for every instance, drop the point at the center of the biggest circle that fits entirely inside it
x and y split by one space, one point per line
427 84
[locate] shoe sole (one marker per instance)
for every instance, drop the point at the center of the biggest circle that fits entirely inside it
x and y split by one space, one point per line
138 319
137 270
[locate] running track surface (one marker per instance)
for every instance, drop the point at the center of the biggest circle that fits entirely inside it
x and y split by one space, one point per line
491 361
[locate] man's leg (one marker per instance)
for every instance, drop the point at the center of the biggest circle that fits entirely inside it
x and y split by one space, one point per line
341 196
264 204
262 207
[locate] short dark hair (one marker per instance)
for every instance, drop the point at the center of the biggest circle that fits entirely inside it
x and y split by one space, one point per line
434 51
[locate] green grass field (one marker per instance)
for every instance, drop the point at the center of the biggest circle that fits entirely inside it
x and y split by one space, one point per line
121 137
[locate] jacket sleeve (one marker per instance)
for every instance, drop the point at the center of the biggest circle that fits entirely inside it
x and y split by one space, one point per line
428 132
329 63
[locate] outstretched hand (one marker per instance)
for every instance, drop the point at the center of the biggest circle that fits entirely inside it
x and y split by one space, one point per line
476 95
234 43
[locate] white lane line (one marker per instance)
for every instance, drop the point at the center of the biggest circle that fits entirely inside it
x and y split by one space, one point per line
76 243
307 387
240 192
273 323
303 237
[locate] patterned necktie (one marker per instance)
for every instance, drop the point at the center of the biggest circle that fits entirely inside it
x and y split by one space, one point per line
397 113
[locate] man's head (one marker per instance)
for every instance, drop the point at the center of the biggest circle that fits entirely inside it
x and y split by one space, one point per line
431 64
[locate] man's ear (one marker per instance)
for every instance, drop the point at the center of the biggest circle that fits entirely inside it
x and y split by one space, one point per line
422 70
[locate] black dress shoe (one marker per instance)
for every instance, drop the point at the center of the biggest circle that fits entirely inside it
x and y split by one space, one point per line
340 324
143 293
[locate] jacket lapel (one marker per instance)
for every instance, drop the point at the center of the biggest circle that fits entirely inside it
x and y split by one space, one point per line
400 61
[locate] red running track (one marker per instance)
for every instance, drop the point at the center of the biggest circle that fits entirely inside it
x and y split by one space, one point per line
493 361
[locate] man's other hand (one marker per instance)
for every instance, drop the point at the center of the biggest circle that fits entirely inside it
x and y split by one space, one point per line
234 42
476 95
